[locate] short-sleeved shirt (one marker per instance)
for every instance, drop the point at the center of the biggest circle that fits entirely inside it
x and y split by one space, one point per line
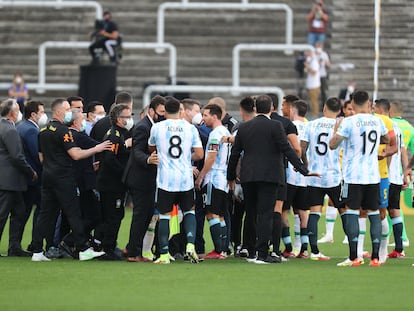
321 159
218 172
362 133
55 139
407 132
395 170
293 177
382 164
174 140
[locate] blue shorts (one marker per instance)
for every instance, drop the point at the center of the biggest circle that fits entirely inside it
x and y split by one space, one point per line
384 188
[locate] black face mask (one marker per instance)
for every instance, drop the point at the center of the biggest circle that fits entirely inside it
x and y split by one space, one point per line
159 117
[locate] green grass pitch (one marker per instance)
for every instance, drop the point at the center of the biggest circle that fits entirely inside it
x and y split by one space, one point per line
232 284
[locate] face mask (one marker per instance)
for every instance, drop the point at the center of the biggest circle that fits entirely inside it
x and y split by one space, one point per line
99 117
42 120
83 126
351 89
318 50
308 59
18 80
160 118
129 124
197 119
19 117
68 117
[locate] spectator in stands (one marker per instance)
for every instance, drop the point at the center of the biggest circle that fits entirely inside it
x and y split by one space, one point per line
313 81
107 37
317 19
19 91
324 64
94 112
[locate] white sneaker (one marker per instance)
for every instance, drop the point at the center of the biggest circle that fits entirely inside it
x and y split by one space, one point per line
89 254
350 263
319 256
326 239
345 241
39 257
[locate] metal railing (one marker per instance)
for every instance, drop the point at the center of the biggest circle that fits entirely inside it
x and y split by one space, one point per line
58 4
260 47
244 5
42 85
209 89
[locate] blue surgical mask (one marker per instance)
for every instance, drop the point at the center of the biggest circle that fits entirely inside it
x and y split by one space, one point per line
83 125
68 117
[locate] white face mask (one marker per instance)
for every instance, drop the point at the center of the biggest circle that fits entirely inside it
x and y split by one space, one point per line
197 119
129 124
18 80
351 89
318 50
99 117
42 120
83 126
19 117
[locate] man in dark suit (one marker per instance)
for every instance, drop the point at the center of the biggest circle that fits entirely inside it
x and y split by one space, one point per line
14 174
28 129
140 177
264 145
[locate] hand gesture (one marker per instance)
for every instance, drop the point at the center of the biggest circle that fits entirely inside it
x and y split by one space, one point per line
153 158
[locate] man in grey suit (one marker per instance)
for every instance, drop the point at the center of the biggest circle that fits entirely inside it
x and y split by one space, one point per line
15 172
264 145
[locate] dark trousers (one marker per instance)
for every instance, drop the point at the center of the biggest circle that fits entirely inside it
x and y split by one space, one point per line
143 201
11 202
31 198
200 214
260 198
63 196
238 237
113 211
99 44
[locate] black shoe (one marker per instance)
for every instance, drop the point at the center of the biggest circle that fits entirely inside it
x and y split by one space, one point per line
54 252
66 250
111 256
18 252
269 259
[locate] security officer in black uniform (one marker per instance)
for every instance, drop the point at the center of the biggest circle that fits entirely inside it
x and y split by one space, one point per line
57 149
109 179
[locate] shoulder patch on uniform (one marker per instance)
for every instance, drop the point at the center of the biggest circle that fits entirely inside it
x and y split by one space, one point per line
43 129
117 134
52 128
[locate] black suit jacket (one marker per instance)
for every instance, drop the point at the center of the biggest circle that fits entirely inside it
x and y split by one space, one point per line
138 173
264 144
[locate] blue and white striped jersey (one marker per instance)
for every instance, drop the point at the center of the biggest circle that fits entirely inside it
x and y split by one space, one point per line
362 133
321 159
293 177
395 169
174 140
218 173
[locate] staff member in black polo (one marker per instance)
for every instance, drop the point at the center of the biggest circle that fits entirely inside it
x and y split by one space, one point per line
109 179
57 149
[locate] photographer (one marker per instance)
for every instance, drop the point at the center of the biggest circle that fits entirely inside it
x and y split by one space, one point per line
318 19
106 37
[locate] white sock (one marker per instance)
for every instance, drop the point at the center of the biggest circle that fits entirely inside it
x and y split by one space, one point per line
361 237
331 214
383 251
297 244
149 235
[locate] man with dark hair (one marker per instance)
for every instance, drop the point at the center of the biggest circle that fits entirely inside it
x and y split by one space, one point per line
264 145
292 136
103 125
109 180
314 142
95 111
212 180
28 129
140 177
57 149
76 102
15 173
177 143
362 134
107 38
